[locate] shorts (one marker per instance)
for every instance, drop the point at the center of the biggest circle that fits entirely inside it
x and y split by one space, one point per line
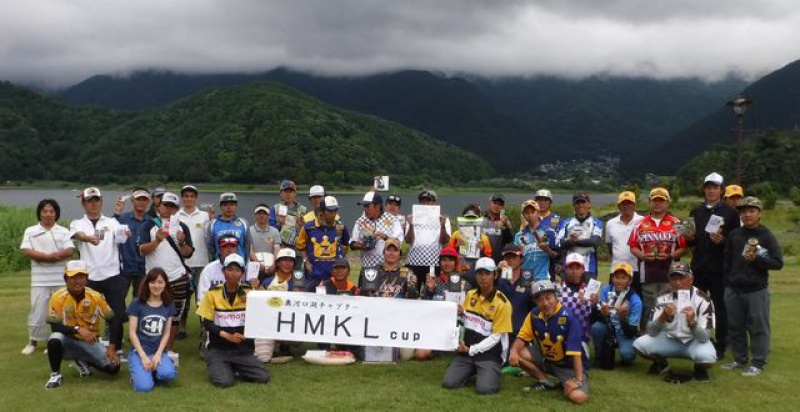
180 296
563 374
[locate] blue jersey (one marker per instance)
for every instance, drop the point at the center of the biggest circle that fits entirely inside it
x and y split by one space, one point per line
519 293
323 245
534 259
559 337
609 297
132 260
236 227
590 235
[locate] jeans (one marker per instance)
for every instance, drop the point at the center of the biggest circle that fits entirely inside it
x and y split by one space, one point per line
626 352
144 380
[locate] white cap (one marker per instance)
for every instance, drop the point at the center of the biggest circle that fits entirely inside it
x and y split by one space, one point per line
234 258
714 178
91 192
543 193
575 257
330 203
140 193
316 190
286 253
171 198
228 197
261 208
485 263
75 267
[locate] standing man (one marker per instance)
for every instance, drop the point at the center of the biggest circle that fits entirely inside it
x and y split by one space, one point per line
227 223
393 205
680 326
166 248
133 270
707 259
156 194
74 317
321 242
751 251
422 256
549 218
656 244
372 229
581 233
98 248
263 238
537 242
733 195
496 226
618 232
196 220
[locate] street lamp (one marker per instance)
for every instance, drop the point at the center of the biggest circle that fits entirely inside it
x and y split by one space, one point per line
739 104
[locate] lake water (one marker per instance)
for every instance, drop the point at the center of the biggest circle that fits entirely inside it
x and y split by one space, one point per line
452 204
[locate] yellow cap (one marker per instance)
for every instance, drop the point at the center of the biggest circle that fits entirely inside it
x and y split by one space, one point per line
626 196
734 190
623 266
659 192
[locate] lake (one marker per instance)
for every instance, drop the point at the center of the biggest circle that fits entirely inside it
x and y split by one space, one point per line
452 204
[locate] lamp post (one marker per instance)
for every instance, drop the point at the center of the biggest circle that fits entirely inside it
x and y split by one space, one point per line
739 105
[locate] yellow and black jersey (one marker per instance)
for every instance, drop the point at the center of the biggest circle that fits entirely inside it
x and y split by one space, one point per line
484 316
227 311
87 313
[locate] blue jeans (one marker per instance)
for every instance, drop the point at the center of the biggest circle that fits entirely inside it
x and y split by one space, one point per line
666 347
144 380
626 352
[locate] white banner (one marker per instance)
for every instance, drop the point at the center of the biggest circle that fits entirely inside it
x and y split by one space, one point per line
351 320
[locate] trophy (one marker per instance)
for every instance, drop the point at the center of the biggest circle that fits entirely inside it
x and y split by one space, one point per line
369 279
751 246
526 279
455 283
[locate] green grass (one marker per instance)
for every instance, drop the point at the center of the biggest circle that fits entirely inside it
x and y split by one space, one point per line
407 386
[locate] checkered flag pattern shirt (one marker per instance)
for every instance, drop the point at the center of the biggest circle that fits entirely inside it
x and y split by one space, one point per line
572 300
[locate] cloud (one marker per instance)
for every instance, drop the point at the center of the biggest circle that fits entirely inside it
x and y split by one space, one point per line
54 42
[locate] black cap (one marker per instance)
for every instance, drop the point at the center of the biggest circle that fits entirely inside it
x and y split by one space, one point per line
342 261
512 249
497 197
582 196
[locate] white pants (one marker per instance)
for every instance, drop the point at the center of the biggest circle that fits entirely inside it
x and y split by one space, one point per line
38 330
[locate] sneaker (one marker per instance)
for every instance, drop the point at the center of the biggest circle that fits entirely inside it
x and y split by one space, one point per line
83 368
174 357
54 381
540 386
701 374
123 358
752 371
732 366
28 349
658 368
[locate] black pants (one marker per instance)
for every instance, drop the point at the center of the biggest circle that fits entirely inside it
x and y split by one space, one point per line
224 365
114 291
714 286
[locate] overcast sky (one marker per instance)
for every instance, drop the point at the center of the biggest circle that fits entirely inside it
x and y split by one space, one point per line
61 42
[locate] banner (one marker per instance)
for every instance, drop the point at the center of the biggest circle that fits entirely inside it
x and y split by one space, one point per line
351 320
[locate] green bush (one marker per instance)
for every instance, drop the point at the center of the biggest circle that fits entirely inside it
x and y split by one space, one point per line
13 221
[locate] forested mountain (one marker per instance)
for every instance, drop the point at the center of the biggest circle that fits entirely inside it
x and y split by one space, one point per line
259 132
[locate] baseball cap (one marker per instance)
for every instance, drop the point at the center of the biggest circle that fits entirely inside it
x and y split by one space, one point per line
734 190
370 198
91 192
497 197
288 184
575 257
680 269
170 198
76 267
316 191
512 250
158 191
471 213
448 251
485 263
329 203
286 253
392 242
714 178
189 188
659 192
228 197
140 193
228 240
232 259
261 208
750 201
427 194
543 286
530 203
623 266
580 197
626 196
394 198
340 262
543 193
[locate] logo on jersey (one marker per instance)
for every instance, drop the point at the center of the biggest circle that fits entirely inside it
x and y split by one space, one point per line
152 325
370 274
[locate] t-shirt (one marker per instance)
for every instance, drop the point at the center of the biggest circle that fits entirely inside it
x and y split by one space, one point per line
617 235
263 240
152 322
103 259
164 255
385 223
196 222
44 240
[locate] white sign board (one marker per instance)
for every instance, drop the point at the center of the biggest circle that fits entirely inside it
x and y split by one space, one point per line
351 320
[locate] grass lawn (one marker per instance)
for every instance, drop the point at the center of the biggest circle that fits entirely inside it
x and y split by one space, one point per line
406 386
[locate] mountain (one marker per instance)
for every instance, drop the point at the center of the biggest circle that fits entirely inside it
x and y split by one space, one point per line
514 123
776 106
255 133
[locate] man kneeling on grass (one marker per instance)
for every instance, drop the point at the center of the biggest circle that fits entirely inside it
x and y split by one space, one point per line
222 309
680 326
73 315
557 349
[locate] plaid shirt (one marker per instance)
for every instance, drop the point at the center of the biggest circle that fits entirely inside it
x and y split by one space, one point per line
571 299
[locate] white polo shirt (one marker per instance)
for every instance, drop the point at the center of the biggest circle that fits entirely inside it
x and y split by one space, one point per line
617 234
103 259
44 240
212 276
196 222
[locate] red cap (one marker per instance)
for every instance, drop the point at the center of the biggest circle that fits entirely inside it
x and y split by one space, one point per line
449 251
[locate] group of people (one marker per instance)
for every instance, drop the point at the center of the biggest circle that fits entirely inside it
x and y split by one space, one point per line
530 298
